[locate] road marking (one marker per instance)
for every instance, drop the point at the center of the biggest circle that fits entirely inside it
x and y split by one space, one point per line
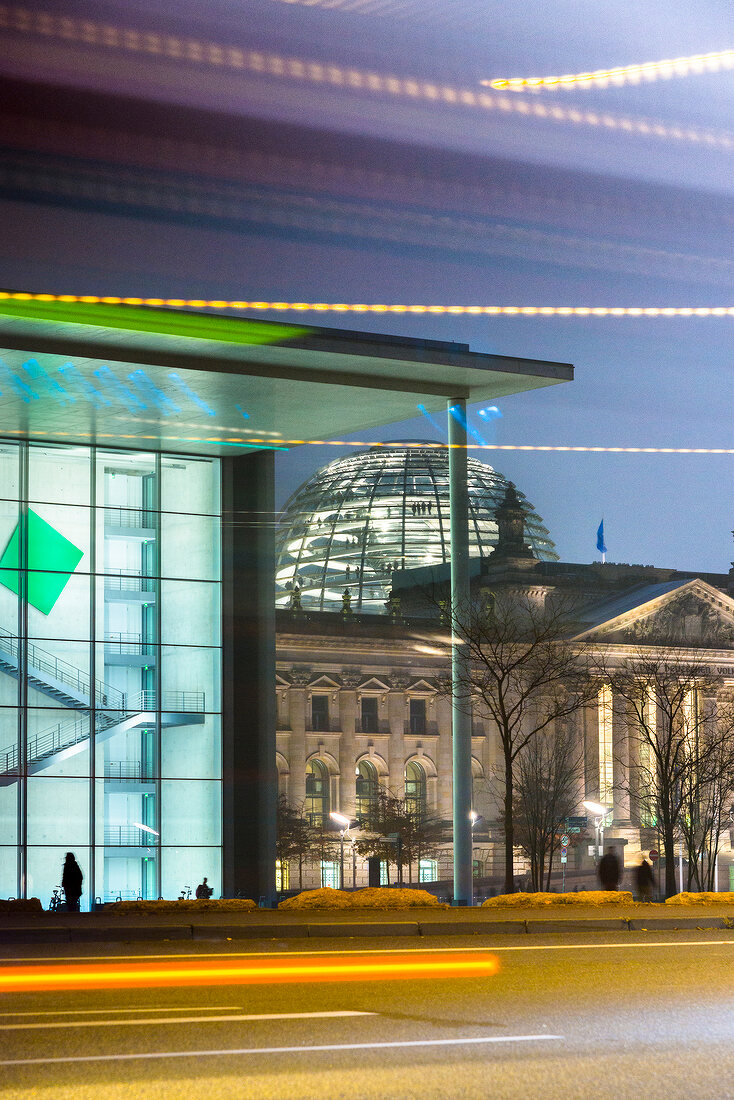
250 1018
374 950
330 1047
101 1011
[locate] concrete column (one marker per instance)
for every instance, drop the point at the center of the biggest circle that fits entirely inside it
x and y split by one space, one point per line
396 714
297 759
250 778
347 716
620 762
460 667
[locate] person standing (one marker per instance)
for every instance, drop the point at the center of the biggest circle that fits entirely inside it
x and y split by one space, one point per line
204 891
644 880
71 882
609 870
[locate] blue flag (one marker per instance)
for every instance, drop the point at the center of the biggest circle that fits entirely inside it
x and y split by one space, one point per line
600 539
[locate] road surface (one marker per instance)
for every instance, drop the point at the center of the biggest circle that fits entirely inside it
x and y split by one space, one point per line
648 1015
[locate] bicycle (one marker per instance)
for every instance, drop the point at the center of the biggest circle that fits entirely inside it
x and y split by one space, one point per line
57 900
185 894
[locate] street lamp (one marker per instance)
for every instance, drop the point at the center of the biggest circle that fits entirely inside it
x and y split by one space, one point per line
599 812
343 823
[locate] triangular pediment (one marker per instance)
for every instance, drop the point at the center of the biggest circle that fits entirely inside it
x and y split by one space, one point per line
421 687
324 683
692 614
373 684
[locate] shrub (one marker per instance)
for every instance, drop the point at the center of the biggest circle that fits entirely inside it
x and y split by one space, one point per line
373 897
702 898
589 897
189 905
21 905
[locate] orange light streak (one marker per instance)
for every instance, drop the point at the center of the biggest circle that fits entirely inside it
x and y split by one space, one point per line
622 74
318 968
376 307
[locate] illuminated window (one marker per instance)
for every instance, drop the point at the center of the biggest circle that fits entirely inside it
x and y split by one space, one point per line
282 875
606 772
415 788
330 874
427 870
367 788
317 793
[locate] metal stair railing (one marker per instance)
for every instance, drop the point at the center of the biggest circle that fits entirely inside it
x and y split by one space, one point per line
63 735
39 660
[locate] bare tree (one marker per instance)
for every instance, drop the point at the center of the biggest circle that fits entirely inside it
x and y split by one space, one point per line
675 738
296 838
399 832
707 793
548 771
526 677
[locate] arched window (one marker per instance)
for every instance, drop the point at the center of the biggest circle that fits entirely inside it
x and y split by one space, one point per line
367 788
415 788
317 793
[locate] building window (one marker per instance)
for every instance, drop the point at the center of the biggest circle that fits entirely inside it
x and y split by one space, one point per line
282 875
417 717
415 788
427 870
320 712
367 789
606 772
330 874
317 793
384 876
369 714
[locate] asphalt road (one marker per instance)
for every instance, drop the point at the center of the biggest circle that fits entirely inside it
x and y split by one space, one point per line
594 1016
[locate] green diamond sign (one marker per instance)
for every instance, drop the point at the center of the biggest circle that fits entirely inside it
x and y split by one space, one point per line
52 559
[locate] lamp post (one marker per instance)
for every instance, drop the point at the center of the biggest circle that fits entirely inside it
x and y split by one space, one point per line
599 812
343 823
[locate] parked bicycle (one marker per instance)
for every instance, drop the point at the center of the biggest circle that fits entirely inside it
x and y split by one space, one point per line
57 900
185 894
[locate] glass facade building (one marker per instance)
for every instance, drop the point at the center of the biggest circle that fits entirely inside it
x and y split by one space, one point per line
110 671
360 518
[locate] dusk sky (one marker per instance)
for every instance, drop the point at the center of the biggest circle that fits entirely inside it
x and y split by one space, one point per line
154 174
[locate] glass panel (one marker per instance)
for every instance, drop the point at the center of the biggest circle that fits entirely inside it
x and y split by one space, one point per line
8 869
58 809
8 739
58 673
191 812
184 868
190 613
9 815
58 742
190 485
61 608
190 546
191 750
45 867
59 475
191 679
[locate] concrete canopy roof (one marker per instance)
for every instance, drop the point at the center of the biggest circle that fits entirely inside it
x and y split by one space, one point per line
203 383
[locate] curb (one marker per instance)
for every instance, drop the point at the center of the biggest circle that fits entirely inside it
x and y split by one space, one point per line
388 929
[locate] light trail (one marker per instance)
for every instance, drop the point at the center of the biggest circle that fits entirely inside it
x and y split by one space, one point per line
317 968
259 63
368 307
622 74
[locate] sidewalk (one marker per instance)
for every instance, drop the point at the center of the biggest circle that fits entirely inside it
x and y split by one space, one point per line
41 928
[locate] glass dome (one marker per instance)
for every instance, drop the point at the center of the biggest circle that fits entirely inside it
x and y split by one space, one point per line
361 517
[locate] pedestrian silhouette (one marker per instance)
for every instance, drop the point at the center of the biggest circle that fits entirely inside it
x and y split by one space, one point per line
203 891
644 880
609 870
71 882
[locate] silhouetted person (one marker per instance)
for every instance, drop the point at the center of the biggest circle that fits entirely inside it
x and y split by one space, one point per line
609 870
644 880
203 892
71 882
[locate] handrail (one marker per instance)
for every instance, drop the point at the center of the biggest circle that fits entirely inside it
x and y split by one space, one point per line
60 670
64 735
